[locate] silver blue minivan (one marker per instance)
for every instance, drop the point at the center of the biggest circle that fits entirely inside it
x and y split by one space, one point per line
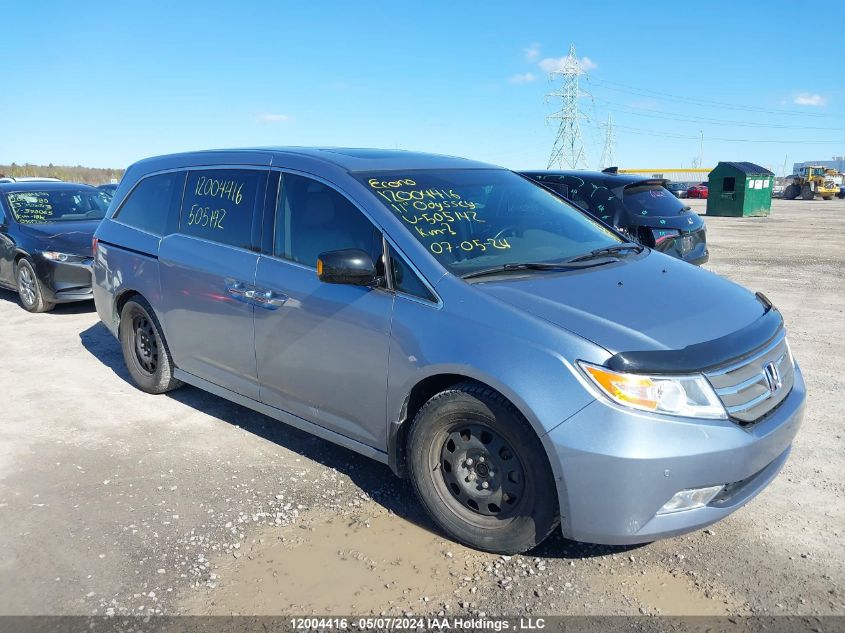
519 360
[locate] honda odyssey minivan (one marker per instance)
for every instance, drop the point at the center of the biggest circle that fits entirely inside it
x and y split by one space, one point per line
519 360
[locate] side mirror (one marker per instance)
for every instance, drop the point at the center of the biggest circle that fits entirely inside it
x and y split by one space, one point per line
350 266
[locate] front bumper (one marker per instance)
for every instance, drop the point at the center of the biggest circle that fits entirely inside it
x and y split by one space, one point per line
617 467
62 282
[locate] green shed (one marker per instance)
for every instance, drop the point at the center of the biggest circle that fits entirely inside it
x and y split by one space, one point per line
739 190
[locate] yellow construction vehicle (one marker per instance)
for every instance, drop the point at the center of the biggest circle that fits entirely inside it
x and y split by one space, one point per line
812 181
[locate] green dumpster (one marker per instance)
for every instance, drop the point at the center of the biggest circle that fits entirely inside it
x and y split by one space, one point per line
739 190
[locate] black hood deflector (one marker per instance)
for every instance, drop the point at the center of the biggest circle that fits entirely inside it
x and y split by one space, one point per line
707 355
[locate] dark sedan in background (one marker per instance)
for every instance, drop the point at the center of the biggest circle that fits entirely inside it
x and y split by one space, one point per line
640 207
679 189
109 188
46 230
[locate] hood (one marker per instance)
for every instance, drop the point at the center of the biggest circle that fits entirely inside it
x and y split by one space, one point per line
73 238
640 303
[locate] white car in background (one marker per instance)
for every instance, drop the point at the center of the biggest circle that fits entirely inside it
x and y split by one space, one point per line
29 179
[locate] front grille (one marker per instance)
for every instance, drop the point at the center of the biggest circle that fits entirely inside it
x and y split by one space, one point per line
753 387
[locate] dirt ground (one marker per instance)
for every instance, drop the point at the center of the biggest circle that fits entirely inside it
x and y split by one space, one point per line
116 502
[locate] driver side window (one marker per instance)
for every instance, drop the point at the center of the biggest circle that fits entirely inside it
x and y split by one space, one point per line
312 218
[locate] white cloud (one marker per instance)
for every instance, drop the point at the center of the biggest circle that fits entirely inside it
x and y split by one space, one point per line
807 99
532 53
562 64
273 118
522 78
588 64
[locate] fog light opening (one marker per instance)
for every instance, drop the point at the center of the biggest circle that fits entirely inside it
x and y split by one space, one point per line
690 499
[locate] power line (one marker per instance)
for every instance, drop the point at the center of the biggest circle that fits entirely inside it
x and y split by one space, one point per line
647 132
615 85
672 116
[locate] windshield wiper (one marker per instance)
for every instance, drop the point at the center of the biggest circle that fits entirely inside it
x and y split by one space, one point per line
506 268
606 251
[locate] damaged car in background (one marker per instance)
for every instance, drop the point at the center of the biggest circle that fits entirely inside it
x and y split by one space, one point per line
46 230
642 208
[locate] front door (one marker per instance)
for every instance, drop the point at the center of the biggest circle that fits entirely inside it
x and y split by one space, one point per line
207 275
322 348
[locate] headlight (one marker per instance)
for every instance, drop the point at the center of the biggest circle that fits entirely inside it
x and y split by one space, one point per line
61 257
687 396
789 352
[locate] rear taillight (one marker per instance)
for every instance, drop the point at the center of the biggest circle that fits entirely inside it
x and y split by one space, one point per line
94 242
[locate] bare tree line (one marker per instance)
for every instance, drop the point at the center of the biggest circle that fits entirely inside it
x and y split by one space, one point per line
78 173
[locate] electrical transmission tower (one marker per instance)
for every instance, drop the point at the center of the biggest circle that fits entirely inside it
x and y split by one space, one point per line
608 154
568 150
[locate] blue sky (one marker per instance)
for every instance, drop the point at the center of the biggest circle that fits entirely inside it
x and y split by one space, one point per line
104 84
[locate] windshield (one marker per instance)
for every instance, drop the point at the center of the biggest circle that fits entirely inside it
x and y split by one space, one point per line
651 200
65 205
478 218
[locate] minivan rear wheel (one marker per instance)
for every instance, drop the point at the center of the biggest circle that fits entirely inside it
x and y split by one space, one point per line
481 472
144 348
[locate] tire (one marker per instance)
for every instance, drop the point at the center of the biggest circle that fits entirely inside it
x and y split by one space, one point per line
791 192
807 193
30 289
471 431
145 351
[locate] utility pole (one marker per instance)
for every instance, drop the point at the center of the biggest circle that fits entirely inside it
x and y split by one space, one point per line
698 160
608 154
701 150
568 150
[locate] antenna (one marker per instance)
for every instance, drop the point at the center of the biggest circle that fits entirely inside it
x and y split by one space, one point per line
608 154
568 150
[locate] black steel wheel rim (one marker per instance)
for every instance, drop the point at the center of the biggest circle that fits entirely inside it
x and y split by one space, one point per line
145 343
482 471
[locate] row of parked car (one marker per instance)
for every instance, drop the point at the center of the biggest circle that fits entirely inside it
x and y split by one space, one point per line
522 346
688 190
48 226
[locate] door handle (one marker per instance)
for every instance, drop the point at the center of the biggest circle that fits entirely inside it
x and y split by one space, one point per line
269 299
238 290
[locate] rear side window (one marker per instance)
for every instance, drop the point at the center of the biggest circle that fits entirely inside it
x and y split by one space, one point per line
221 205
652 200
153 204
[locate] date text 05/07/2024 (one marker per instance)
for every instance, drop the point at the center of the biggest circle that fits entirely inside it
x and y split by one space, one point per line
411 623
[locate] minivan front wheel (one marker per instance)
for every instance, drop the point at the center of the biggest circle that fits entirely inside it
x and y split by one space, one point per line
144 349
481 472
